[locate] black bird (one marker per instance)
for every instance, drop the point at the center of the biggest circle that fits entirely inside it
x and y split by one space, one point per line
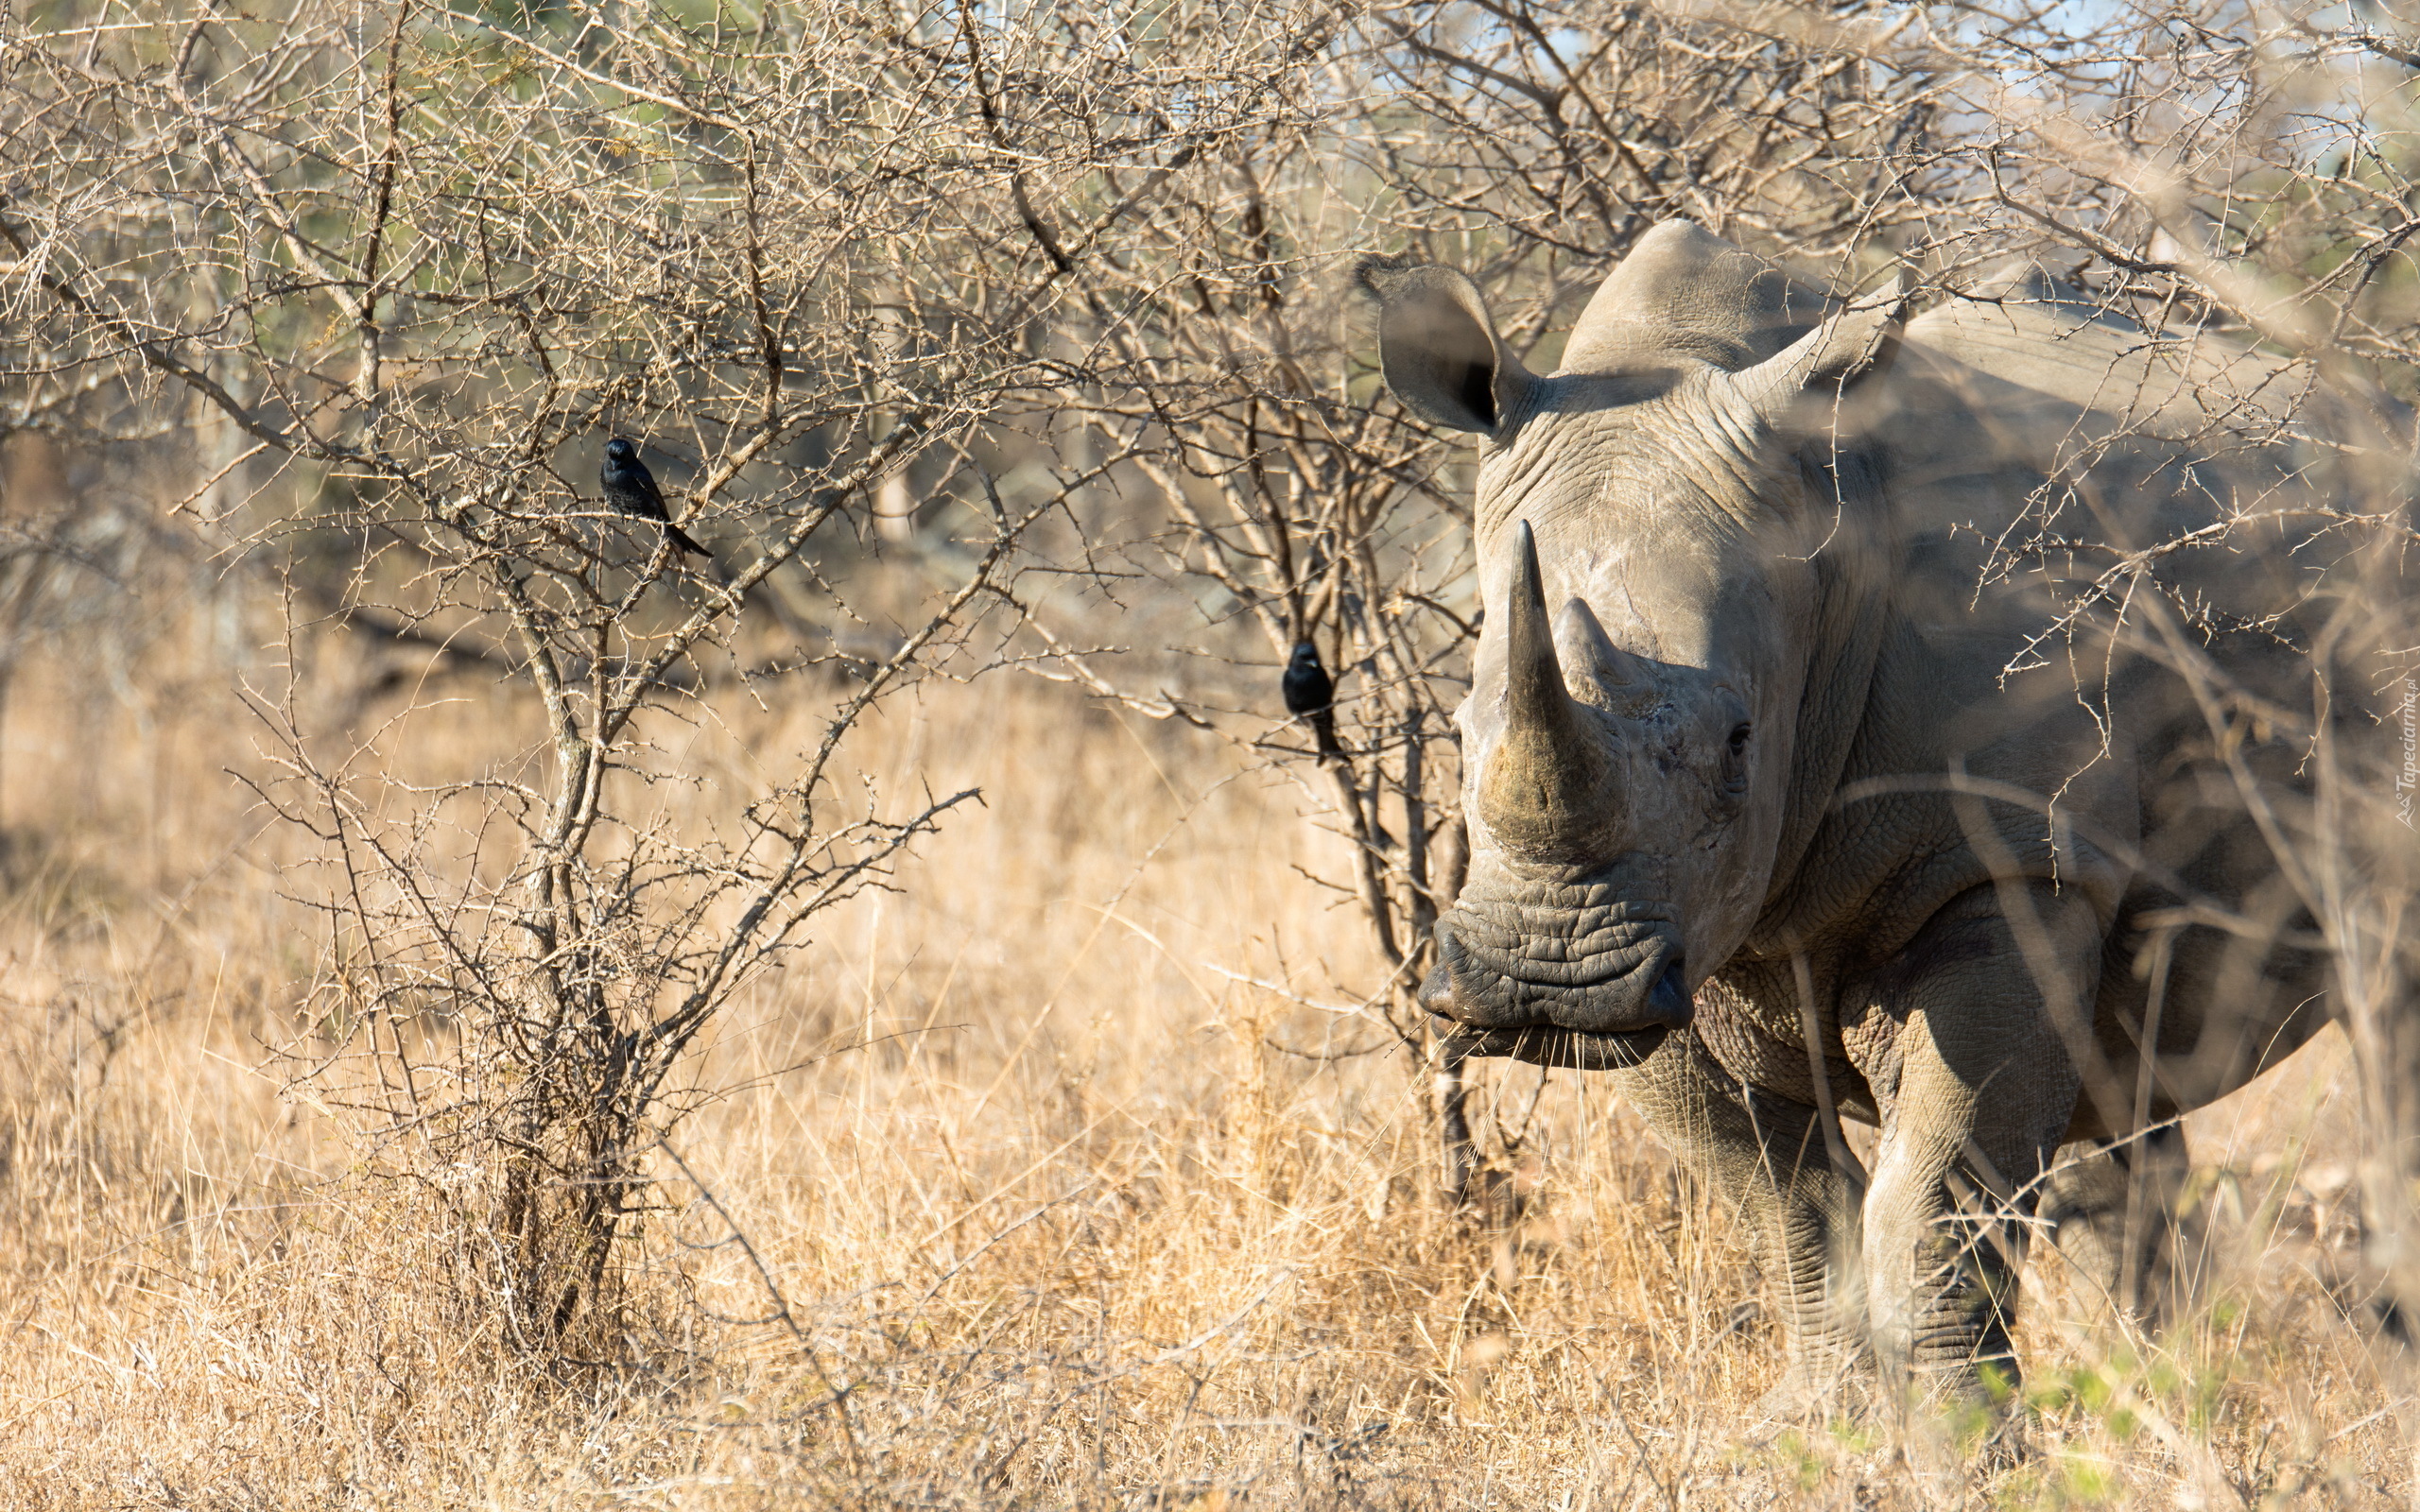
631 487
1309 691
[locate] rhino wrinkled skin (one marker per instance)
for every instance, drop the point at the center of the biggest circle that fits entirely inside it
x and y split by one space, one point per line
1780 796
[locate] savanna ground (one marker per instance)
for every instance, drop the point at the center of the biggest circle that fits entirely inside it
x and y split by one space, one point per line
1061 1175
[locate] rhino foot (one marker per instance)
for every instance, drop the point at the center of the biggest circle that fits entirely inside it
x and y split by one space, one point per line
1812 1396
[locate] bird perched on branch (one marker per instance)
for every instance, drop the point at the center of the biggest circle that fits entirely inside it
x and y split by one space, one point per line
630 488
1311 692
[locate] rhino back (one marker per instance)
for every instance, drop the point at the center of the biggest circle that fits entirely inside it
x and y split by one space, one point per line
2036 453
2034 422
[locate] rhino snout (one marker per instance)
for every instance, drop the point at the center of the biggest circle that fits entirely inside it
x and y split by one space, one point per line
1571 958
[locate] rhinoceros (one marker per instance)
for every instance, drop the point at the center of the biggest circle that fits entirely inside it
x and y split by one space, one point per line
1840 744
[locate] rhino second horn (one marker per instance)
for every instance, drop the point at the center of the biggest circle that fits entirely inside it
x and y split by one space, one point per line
1602 662
1547 790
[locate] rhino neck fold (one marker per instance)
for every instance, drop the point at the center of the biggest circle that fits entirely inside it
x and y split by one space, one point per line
1853 618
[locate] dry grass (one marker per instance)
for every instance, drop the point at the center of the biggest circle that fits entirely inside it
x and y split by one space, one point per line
1064 1210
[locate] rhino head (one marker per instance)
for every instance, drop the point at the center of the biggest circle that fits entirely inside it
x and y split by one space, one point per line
1648 521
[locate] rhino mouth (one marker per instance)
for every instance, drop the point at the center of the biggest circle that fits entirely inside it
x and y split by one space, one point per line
1558 974
1563 1048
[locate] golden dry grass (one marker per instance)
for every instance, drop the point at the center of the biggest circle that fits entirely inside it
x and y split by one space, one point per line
1030 1162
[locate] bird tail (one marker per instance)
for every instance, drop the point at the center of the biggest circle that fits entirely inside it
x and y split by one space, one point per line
1323 726
681 538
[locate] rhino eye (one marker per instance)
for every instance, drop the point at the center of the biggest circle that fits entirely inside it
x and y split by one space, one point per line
1734 760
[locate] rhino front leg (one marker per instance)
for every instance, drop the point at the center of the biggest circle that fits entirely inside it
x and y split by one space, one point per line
1767 1157
1983 1090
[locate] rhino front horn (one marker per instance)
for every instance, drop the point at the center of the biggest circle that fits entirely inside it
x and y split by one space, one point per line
1547 791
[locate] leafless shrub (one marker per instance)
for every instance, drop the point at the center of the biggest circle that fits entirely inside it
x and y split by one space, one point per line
418 264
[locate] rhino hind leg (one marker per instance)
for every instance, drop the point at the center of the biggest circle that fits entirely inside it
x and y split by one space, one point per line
2109 1208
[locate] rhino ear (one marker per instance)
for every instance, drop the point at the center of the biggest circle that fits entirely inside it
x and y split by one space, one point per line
1794 389
1439 350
